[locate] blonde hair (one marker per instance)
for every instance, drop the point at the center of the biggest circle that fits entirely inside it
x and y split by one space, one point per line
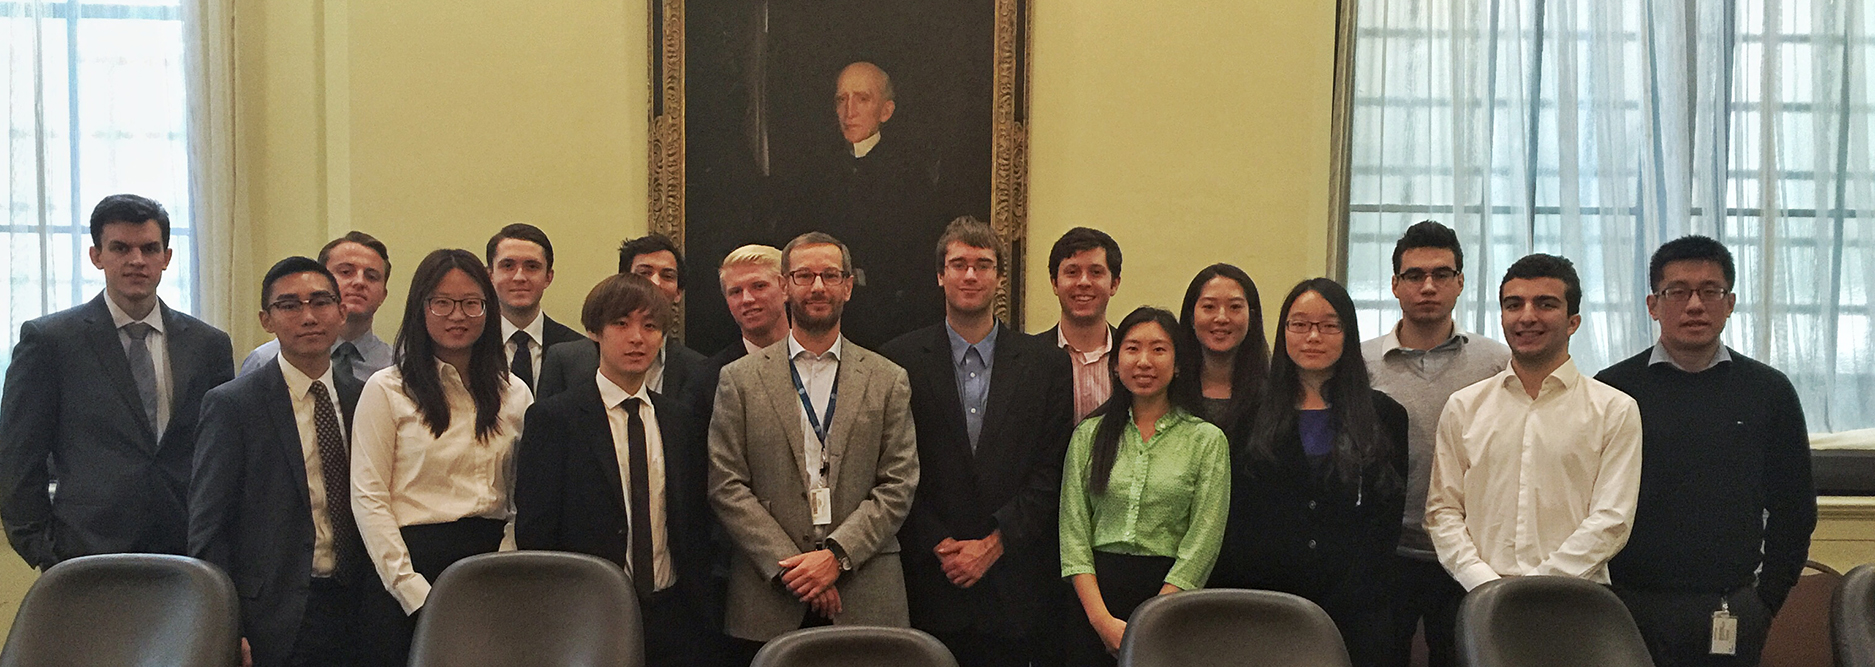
754 254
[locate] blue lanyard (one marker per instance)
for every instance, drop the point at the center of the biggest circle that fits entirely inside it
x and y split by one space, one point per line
822 424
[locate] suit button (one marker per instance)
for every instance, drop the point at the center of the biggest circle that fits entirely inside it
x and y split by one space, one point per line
1311 544
1311 504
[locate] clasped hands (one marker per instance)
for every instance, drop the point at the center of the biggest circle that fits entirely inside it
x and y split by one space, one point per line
810 577
965 561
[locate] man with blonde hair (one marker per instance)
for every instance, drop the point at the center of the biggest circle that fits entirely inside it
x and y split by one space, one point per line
758 301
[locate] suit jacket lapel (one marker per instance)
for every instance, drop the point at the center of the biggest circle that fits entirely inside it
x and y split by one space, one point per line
1005 371
943 384
594 427
275 395
102 332
183 361
786 404
853 381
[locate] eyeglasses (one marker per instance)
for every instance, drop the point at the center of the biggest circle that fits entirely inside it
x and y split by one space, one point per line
444 306
1303 327
290 306
1439 276
830 278
960 265
1684 294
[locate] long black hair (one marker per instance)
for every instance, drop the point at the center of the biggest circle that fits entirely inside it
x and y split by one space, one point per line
1251 358
1182 391
1359 441
416 352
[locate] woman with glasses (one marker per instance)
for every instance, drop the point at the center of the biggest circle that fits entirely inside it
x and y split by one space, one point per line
1323 474
1145 488
432 445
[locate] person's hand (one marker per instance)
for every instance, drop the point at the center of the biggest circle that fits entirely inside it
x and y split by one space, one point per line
810 573
827 604
247 654
965 561
1111 631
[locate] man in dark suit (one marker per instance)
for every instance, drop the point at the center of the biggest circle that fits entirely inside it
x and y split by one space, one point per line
655 258
754 291
110 390
270 501
520 261
991 405
602 469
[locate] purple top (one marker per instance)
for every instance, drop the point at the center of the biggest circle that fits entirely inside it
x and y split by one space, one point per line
1318 432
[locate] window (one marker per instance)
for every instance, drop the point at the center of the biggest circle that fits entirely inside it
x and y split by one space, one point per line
1598 131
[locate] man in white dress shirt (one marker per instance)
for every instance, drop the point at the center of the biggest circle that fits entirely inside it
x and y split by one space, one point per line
520 261
1536 469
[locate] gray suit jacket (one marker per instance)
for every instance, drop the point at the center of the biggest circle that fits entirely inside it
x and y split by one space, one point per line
758 485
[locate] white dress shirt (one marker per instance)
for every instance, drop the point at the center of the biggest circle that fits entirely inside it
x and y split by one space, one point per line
818 373
654 376
1534 486
299 389
402 475
612 396
536 332
158 344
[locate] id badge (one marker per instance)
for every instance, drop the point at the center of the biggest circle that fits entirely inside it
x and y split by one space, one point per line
820 503
1724 632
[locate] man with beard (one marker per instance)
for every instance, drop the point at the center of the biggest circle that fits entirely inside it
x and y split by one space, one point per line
813 463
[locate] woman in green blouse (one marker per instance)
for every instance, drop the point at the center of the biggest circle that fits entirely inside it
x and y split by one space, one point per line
1145 490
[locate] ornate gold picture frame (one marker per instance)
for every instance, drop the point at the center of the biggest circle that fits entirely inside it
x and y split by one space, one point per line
746 78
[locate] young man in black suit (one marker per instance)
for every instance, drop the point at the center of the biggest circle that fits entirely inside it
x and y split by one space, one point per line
602 470
520 262
108 392
270 501
757 297
655 258
992 408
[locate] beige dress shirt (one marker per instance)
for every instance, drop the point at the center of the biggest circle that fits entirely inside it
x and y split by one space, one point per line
299 388
612 396
1534 486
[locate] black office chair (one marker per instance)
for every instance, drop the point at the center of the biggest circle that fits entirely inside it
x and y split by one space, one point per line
1545 621
1228 627
1852 618
854 646
529 609
127 609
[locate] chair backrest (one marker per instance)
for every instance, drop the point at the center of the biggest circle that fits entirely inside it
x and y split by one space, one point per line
1545 620
1799 635
127 609
1852 618
529 608
1222 627
854 646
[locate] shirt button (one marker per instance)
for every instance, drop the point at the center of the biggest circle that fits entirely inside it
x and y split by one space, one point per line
973 411
1311 544
973 375
1311 504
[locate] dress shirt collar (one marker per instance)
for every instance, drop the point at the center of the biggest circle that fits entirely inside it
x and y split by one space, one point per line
866 145
1660 356
1391 341
119 318
447 374
986 348
1566 375
370 339
298 383
1061 340
536 329
750 346
611 394
1169 420
795 350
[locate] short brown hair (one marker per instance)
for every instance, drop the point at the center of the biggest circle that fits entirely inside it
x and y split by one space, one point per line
974 233
363 239
519 231
620 295
816 238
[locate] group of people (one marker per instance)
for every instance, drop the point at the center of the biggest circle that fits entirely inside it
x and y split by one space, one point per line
1014 495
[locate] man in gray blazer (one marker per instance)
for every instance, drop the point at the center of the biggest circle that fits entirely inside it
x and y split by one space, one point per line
814 526
108 393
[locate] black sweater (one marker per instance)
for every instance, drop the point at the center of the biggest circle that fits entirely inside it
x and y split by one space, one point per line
1725 479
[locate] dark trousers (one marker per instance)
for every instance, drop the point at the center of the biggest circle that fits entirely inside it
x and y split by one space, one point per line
980 649
328 632
1125 583
677 634
1425 591
1678 625
433 548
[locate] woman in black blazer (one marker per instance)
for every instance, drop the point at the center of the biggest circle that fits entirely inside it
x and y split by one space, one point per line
1321 482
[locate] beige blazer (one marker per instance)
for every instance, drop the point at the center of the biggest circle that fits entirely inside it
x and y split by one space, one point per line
758 486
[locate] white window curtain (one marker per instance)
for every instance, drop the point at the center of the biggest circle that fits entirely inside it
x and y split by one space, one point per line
1599 130
108 97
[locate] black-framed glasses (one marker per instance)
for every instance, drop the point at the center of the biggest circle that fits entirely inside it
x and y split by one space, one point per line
1439 276
830 277
1684 294
1329 328
290 306
445 306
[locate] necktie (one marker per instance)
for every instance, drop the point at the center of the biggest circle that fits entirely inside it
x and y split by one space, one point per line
335 469
143 370
644 577
523 364
343 358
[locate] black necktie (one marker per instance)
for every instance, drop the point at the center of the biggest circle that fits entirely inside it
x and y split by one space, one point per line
523 364
644 577
335 467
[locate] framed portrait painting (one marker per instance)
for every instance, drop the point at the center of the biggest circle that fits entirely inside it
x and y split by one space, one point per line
876 121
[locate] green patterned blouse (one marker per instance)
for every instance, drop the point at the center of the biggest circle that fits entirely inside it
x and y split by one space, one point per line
1168 497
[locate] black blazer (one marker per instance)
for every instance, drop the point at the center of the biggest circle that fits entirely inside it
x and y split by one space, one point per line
250 508
1012 481
570 364
70 397
556 333
700 388
568 495
1300 532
